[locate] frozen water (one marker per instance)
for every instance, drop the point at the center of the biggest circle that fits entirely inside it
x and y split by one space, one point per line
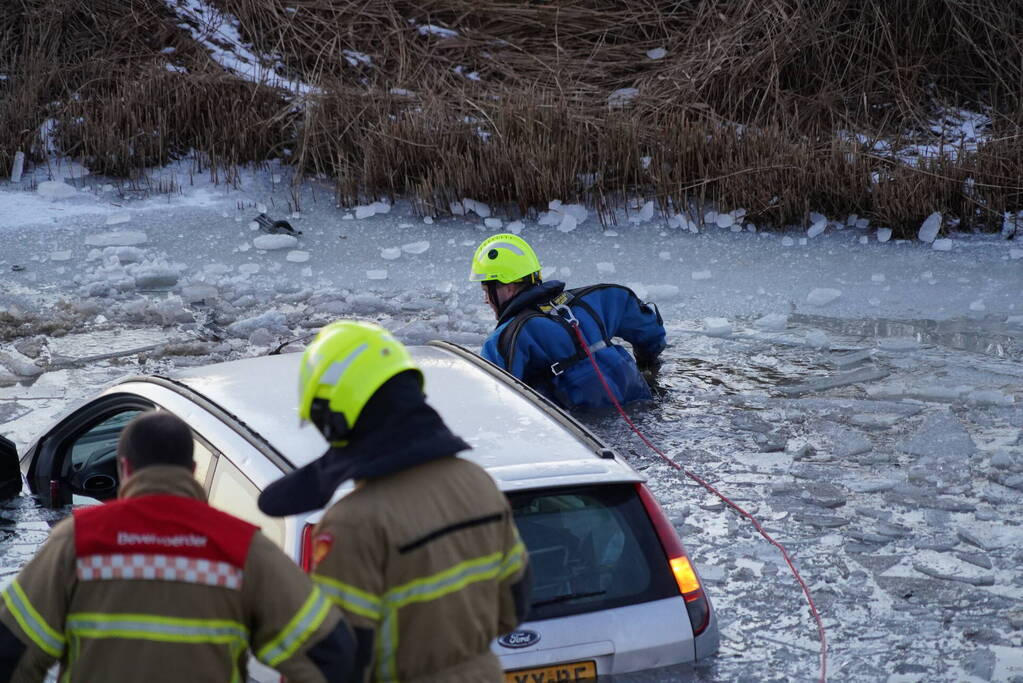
787 241
54 190
605 267
464 207
725 220
817 228
493 223
275 242
297 256
822 296
415 247
126 238
700 275
772 322
156 274
930 227
19 365
376 274
390 253
656 53
942 435
797 394
645 213
515 227
271 320
717 327
943 244
118 218
884 234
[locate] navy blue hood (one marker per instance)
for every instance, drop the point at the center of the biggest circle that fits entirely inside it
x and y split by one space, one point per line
397 430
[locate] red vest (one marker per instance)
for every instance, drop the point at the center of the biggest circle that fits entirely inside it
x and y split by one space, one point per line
161 537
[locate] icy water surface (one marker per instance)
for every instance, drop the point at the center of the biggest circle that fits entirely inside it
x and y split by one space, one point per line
885 455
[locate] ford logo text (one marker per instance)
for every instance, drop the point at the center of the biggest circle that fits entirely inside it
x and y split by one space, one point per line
517 639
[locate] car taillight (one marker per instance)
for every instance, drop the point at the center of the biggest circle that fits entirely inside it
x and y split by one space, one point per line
689 586
306 557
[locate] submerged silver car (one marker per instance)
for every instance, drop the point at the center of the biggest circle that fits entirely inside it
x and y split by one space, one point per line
614 589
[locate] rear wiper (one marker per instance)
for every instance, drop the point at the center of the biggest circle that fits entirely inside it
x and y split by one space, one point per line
566 598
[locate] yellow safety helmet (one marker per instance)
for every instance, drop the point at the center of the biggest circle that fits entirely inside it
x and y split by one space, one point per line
505 258
344 366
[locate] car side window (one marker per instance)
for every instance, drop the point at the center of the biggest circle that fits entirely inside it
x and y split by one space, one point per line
91 461
203 457
233 493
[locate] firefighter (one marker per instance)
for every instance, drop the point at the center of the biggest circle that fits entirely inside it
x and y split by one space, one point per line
535 338
423 556
159 586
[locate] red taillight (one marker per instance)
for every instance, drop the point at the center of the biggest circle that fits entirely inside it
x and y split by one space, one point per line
689 586
306 557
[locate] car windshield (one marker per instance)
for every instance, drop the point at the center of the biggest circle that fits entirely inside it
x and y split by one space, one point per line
591 548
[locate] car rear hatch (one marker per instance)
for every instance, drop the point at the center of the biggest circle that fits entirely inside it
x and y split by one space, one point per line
607 597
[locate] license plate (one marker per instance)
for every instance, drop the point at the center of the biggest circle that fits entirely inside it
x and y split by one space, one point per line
575 671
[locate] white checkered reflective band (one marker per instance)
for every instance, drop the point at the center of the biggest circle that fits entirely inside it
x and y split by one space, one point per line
138 566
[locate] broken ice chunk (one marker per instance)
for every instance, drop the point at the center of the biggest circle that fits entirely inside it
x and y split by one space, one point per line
817 228
717 327
772 322
274 242
415 247
941 435
822 296
126 238
930 227
55 189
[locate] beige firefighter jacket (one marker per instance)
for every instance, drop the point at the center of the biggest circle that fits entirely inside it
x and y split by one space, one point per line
124 617
426 558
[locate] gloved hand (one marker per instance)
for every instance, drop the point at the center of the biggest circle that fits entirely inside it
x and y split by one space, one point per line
648 365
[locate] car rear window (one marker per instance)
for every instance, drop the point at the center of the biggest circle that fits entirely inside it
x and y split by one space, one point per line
591 548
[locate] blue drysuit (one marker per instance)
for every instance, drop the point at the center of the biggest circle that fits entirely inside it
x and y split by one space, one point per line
543 351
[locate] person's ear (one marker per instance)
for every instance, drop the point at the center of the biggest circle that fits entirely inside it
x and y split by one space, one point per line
124 468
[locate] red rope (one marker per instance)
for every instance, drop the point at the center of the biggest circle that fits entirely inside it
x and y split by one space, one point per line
725 499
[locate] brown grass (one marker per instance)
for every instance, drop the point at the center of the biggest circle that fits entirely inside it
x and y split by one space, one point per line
745 110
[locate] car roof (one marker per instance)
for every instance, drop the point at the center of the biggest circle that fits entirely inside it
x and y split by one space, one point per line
519 438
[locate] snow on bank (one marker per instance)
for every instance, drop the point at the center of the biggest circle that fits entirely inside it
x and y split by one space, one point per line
212 28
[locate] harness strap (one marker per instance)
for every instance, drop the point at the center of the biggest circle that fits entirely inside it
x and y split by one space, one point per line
560 310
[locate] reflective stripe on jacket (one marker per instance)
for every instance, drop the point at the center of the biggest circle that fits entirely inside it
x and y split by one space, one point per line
541 351
159 586
426 558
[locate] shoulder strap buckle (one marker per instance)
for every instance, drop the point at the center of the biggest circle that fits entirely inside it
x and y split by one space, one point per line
565 312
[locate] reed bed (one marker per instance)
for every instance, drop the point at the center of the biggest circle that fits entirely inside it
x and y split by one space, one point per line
730 103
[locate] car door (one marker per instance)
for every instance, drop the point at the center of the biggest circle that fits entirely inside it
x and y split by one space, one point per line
76 461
